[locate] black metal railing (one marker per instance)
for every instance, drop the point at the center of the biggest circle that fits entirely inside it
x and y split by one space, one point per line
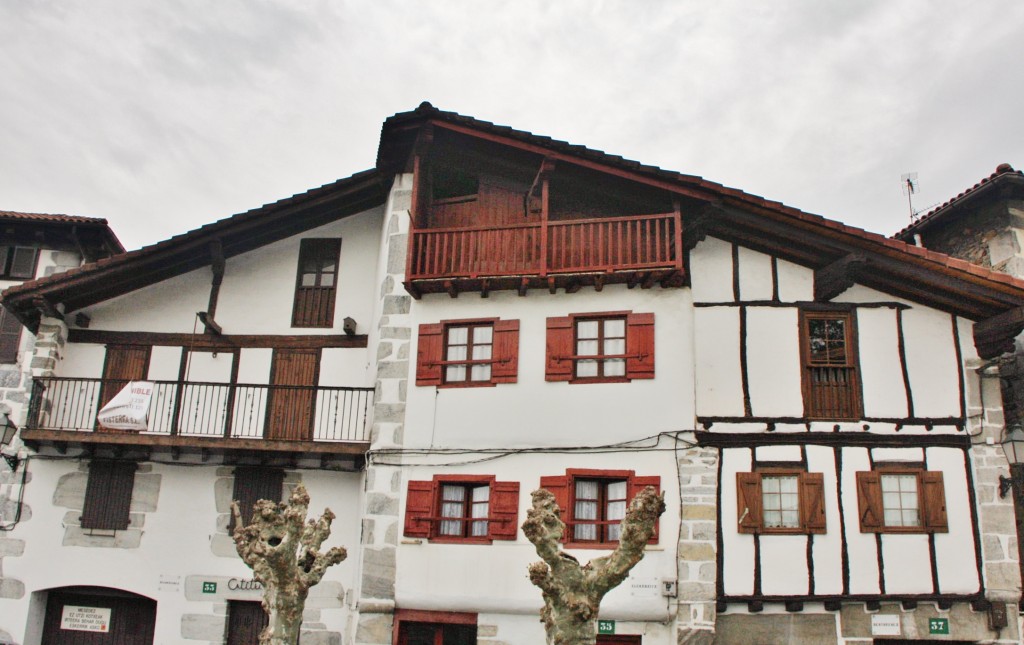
239 411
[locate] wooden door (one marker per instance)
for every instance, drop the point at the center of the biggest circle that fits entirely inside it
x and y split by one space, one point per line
132 620
293 377
246 619
124 363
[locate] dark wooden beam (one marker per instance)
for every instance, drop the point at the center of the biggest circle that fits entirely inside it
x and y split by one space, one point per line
835 278
995 336
225 342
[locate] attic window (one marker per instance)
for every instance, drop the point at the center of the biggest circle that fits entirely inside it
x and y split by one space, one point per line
452 185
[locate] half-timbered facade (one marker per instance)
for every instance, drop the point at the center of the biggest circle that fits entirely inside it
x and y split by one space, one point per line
488 312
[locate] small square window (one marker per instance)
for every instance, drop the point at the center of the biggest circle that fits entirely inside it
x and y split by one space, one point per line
601 348
599 508
899 500
468 503
468 353
831 385
781 499
902 498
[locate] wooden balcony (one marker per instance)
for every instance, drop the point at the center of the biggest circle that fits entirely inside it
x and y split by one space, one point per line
637 250
234 422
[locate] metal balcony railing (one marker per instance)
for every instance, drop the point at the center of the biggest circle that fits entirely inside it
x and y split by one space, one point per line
222 410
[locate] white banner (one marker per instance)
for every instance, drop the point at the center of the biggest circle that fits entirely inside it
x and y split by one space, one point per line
129 409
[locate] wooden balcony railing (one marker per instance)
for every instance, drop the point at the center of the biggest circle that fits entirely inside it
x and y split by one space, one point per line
641 242
221 410
833 392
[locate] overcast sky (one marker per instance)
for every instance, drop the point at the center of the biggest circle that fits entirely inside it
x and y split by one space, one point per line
163 116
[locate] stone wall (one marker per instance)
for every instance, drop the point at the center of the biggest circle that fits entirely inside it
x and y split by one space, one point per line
380 527
698 564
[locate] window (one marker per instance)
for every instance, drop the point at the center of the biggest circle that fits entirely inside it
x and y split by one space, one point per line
108 495
17 262
593 503
831 384
414 627
901 498
316 284
465 353
246 619
253 484
610 347
462 508
780 500
10 337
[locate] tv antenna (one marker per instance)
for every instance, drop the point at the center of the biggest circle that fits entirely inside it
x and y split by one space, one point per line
908 183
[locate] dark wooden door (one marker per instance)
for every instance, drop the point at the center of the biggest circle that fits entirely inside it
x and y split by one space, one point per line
293 377
132 619
124 363
246 619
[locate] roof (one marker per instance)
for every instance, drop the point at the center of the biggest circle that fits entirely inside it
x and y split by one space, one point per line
109 277
1004 176
95 229
48 217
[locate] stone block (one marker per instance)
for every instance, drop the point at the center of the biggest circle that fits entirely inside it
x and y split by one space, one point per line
12 588
70 490
10 376
696 551
708 572
145 493
993 548
374 629
384 350
391 533
77 536
379 573
690 636
16 396
222 546
775 629
998 519
403 352
386 287
366 534
698 512
381 504
389 412
319 638
401 200
486 631
401 333
397 248
702 531
203 627
393 369
696 591
223 489
1003 575
11 547
396 305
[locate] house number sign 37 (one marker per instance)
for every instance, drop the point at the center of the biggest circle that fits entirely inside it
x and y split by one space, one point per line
938 625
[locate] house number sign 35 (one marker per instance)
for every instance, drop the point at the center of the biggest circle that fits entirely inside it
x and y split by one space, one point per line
606 627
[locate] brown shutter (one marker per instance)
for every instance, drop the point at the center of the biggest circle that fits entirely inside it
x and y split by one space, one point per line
812 502
869 501
10 337
253 484
933 502
108 495
23 265
559 487
640 345
559 349
429 355
506 351
637 484
504 511
419 503
748 503
246 619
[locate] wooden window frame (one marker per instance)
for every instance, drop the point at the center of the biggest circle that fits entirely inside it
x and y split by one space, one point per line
931 499
321 250
850 363
440 618
8 253
468 362
108 495
750 502
562 338
563 487
10 337
432 347
423 509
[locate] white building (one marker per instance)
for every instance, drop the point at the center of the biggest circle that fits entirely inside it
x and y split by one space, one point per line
487 312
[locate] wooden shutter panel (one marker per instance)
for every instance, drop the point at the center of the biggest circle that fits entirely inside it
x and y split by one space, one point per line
23 264
10 337
812 502
640 345
108 495
559 349
933 502
252 485
750 519
559 487
637 484
419 504
869 501
504 511
246 619
505 368
428 354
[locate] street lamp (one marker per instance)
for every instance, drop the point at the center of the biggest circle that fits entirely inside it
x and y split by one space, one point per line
7 432
1013 448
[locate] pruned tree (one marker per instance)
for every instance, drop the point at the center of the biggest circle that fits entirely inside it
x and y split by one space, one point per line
573 593
283 551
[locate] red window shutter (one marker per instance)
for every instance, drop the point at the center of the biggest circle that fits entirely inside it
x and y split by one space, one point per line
640 345
419 505
750 519
559 349
108 495
428 355
504 511
812 502
559 487
505 368
637 484
933 502
869 501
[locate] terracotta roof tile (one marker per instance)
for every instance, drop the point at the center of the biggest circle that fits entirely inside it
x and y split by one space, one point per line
47 217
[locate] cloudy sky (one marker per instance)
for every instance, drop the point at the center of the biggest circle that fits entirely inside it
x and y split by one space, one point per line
164 116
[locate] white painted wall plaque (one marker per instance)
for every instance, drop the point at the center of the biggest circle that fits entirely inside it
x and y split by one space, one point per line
85 619
885 625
